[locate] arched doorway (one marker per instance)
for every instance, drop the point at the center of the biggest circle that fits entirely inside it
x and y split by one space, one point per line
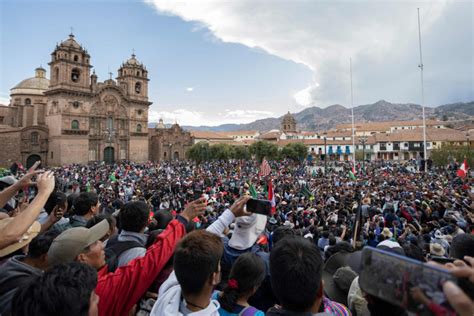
109 155
176 155
30 161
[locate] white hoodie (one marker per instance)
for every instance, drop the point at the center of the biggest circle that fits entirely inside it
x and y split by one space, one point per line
170 301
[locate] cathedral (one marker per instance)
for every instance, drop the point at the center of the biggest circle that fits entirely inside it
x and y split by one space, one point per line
74 118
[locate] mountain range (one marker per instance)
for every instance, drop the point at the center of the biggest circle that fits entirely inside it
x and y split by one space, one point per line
317 119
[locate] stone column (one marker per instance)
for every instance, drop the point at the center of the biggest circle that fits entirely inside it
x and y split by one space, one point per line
23 120
35 114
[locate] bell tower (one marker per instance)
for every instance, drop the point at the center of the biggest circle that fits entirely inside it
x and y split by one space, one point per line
70 66
133 78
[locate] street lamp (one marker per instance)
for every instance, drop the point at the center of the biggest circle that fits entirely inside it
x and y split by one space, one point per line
325 154
362 141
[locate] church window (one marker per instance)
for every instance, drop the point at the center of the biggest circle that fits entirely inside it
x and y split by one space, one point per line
138 87
138 73
2 119
110 123
34 137
139 128
56 73
51 155
75 124
75 104
76 58
139 112
27 101
75 74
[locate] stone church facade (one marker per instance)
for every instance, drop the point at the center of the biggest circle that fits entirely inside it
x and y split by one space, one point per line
73 118
169 143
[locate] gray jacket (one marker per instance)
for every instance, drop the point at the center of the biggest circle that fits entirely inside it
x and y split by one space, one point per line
13 274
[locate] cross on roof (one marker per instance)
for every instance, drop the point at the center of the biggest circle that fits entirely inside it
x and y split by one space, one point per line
72 31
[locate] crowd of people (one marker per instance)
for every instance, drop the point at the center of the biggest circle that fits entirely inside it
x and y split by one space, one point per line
176 238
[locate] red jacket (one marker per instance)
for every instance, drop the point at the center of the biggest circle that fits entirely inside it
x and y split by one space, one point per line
118 291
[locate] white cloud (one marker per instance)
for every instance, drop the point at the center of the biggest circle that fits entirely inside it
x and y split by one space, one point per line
246 114
196 118
380 36
190 89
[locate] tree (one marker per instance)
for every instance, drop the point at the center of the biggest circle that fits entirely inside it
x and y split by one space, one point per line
444 155
263 149
295 151
199 152
221 152
241 152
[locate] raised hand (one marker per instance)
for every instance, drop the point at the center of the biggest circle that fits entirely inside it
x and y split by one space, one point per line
45 183
194 208
26 179
238 208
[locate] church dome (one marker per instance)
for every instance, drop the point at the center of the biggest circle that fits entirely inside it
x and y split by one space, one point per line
133 61
289 118
36 85
70 42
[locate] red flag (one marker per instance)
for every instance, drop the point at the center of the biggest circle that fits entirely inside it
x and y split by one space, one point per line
265 168
271 195
462 172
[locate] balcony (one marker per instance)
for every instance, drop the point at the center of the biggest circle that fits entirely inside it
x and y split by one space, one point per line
74 132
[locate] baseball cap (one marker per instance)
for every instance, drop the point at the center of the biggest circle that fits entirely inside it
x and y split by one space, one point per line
73 241
247 230
31 233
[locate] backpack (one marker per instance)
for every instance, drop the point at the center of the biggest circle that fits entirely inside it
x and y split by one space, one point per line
248 311
115 248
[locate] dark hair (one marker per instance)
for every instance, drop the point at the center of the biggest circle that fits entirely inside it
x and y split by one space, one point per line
249 271
41 243
296 271
152 235
134 216
56 198
280 233
342 246
70 203
196 258
163 217
84 202
413 251
462 245
94 220
64 290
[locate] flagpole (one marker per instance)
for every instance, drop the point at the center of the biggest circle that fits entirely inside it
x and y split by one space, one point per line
352 109
425 157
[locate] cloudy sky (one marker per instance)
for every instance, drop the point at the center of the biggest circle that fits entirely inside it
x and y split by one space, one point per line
234 61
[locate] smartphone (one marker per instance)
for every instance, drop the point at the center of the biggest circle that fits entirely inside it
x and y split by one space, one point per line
442 260
263 207
391 277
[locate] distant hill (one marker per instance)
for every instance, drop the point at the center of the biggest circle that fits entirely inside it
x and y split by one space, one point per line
316 118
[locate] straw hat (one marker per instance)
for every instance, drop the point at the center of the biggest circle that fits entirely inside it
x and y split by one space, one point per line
437 250
31 233
386 233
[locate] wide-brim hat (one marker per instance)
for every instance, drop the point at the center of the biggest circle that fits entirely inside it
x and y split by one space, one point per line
247 230
25 239
437 250
386 233
338 276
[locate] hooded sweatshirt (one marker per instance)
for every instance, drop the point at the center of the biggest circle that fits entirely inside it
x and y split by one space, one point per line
13 274
171 303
